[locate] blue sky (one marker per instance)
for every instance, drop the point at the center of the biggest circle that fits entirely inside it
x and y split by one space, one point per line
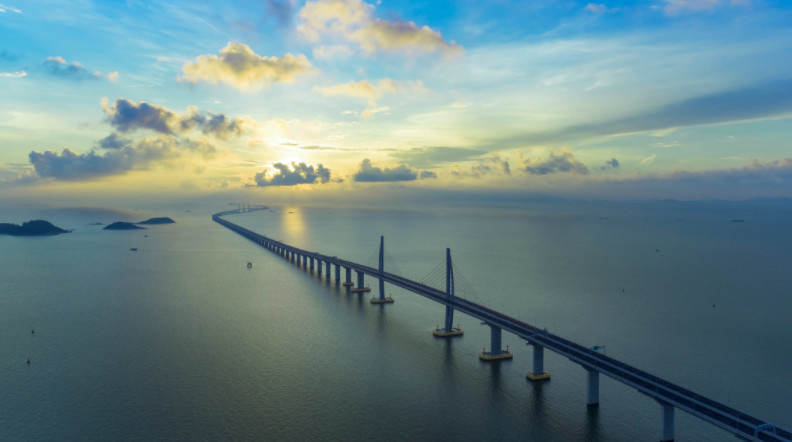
686 99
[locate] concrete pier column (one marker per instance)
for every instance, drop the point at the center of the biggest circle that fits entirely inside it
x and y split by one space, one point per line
348 281
538 373
337 274
305 261
319 268
312 264
593 387
496 352
668 422
327 270
360 287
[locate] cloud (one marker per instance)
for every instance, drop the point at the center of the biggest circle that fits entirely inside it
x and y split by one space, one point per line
369 173
648 160
298 174
764 100
367 90
613 163
240 67
73 166
599 8
58 67
127 116
353 20
4 8
493 165
676 7
17 74
432 156
427 174
332 52
114 141
563 161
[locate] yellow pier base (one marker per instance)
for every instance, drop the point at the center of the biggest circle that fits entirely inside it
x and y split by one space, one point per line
495 357
360 290
538 377
386 300
441 333
348 284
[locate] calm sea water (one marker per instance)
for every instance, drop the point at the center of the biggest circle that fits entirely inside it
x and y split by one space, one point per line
180 341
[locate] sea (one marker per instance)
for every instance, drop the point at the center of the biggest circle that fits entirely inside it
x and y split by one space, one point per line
181 340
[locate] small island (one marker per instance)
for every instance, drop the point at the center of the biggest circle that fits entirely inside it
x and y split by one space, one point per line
36 227
163 220
120 225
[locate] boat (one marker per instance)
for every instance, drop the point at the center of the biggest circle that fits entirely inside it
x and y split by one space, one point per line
134 249
250 264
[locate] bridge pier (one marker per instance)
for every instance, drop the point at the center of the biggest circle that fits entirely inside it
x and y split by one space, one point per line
538 373
496 352
593 387
327 270
668 422
382 299
305 261
312 264
337 274
360 287
319 267
348 281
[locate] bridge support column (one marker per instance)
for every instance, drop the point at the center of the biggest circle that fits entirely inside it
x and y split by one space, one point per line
496 352
319 268
382 299
668 422
312 264
337 274
327 270
538 373
348 281
593 387
305 261
360 287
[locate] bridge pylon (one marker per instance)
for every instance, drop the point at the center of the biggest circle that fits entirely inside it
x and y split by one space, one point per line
382 299
496 353
449 330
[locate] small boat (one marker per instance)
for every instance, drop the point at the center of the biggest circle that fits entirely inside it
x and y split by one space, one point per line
250 264
738 220
134 249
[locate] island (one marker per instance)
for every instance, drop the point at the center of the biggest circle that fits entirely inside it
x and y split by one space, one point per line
120 225
36 227
163 220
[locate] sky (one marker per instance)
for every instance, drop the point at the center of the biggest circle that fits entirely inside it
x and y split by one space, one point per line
273 99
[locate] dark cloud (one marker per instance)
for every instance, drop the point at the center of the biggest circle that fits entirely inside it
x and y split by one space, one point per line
127 116
73 166
613 163
58 67
368 173
758 101
298 174
431 156
114 141
425 174
493 165
564 161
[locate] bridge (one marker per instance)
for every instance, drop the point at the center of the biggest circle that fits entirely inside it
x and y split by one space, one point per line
668 395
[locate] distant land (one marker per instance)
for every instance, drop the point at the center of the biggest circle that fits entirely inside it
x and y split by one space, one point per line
162 220
120 225
36 227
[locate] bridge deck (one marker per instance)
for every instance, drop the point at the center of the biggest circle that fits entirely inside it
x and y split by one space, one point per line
737 422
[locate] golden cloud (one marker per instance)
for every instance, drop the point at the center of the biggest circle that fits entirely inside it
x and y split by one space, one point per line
353 21
238 66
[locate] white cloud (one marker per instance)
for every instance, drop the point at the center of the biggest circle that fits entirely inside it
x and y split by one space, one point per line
17 74
648 160
4 8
